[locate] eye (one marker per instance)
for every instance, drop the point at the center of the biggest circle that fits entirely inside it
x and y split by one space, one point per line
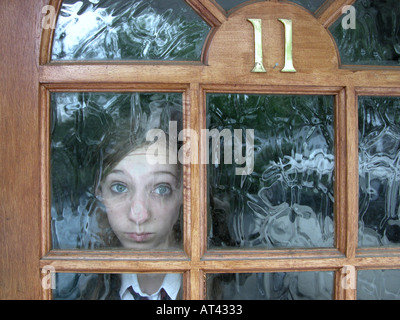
162 190
119 188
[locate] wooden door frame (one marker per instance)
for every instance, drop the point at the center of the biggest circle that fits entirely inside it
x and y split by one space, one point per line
29 77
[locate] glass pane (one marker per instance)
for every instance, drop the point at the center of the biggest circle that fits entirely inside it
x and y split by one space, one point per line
378 285
230 4
374 38
271 286
71 286
270 178
128 30
311 5
112 185
379 170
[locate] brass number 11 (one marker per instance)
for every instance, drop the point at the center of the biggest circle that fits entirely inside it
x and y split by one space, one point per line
258 64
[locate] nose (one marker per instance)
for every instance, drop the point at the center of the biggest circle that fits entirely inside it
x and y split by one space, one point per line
139 212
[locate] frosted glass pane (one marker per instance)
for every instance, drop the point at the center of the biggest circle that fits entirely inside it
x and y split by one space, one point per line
311 5
230 4
77 286
378 285
284 197
375 38
99 197
271 286
379 170
128 30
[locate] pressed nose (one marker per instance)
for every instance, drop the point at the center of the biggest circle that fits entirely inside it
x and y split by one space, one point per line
139 212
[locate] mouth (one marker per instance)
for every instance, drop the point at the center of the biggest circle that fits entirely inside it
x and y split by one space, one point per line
139 237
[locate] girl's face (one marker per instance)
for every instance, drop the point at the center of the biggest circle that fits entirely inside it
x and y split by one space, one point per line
143 201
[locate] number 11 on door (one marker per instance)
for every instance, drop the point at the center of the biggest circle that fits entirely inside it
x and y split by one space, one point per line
258 62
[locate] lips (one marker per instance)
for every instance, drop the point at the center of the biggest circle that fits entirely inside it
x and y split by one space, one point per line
139 237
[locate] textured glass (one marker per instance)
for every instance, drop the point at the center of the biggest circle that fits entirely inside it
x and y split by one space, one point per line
128 30
379 171
77 286
288 198
311 5
230 4
375 40
271 286
87 130
378 285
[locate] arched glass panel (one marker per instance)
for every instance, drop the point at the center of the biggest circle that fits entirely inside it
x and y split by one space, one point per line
379 169
128 30
271 176
271 286
311 5
230 4
108 187
369 33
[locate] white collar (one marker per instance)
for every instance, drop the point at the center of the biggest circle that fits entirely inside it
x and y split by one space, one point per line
171 284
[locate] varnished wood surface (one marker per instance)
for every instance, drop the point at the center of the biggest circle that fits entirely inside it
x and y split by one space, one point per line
28 77
19 150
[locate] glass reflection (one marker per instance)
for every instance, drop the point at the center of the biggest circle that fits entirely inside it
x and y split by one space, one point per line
230 4
286 197
378 285
71 286
374 39
112 184
128 30
379 171
271 286
311 5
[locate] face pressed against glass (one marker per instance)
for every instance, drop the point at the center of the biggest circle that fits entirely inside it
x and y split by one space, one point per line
92 131
143 201
128 198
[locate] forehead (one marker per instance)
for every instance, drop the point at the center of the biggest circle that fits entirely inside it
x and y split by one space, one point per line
140 161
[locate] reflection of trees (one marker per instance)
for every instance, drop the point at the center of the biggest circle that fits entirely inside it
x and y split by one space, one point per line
376 38
126 29
289 223
379 170
288 200
84 125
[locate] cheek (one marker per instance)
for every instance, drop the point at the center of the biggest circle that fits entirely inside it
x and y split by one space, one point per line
115 214
166 211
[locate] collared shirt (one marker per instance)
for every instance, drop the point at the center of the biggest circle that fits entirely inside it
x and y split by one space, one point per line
171 284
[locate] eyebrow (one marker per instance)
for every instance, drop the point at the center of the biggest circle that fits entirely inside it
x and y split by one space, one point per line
117 171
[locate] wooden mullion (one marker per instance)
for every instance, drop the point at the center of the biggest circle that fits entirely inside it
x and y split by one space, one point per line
351 173
144 73
340 172
378 91
113 265
208 11
120 87
195 183
44 125
345 283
